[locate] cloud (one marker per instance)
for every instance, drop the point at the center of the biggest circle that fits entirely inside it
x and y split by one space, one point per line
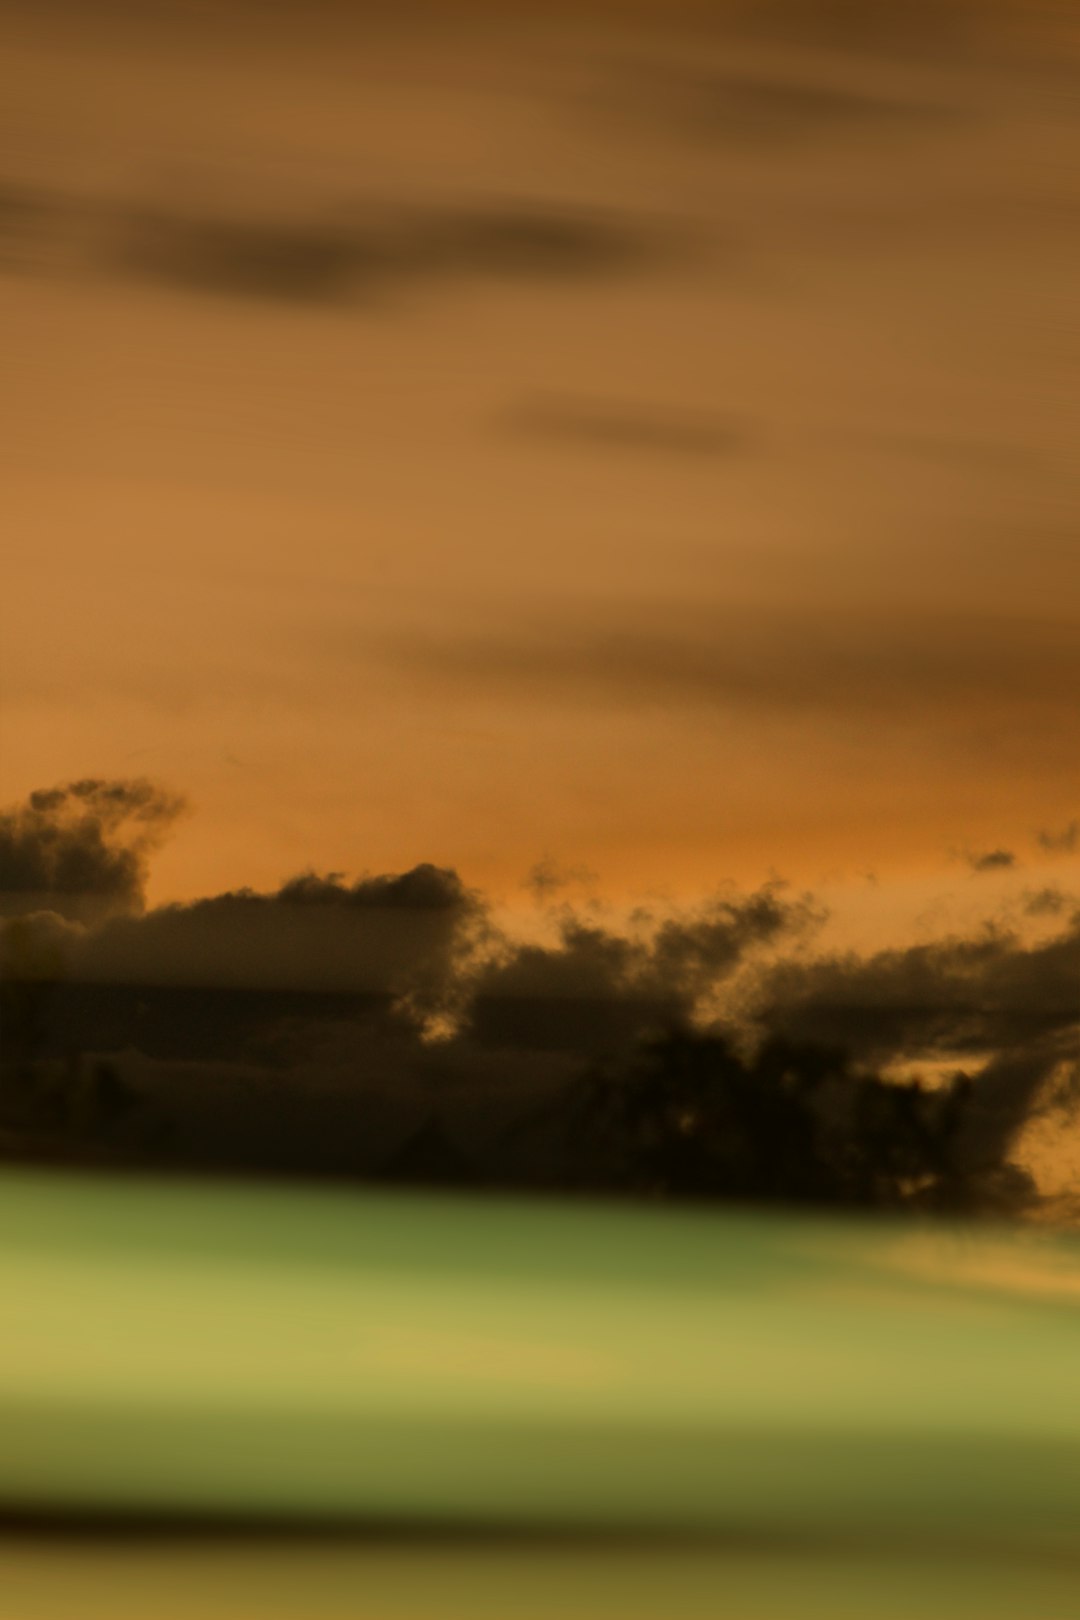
321 964
625 427
320 263
787 100
988 992
596 990
1048 902
82 849
335 257
547 876
1060 841
977 668
294 261
398 937
749 109
257 979
1001 1012
992 860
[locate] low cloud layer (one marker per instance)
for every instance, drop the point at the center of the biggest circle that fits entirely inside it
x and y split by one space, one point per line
597 991
386 1027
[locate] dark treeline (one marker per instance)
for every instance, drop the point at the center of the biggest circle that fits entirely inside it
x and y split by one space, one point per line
684 1116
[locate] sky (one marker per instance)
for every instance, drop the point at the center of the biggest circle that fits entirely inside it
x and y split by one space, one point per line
620 455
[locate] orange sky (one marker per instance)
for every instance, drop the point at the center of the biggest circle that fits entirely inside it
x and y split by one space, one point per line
743 542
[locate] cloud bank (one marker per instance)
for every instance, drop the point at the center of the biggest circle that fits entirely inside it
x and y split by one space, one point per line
387 1027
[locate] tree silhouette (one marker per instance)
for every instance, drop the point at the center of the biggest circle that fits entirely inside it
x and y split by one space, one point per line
796 1123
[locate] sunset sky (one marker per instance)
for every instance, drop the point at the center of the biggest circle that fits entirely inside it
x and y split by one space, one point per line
727 528
617 452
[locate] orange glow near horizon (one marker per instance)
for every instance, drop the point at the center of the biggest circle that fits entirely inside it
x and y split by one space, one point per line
681 488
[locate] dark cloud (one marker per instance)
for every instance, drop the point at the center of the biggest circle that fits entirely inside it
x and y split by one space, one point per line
297 261
426 888
347 255
895 666
989 993
591 990
82 849
992 860
1062 841
621 426
1046 902
383 1027
400 938
597 991
1005 1012
548 876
